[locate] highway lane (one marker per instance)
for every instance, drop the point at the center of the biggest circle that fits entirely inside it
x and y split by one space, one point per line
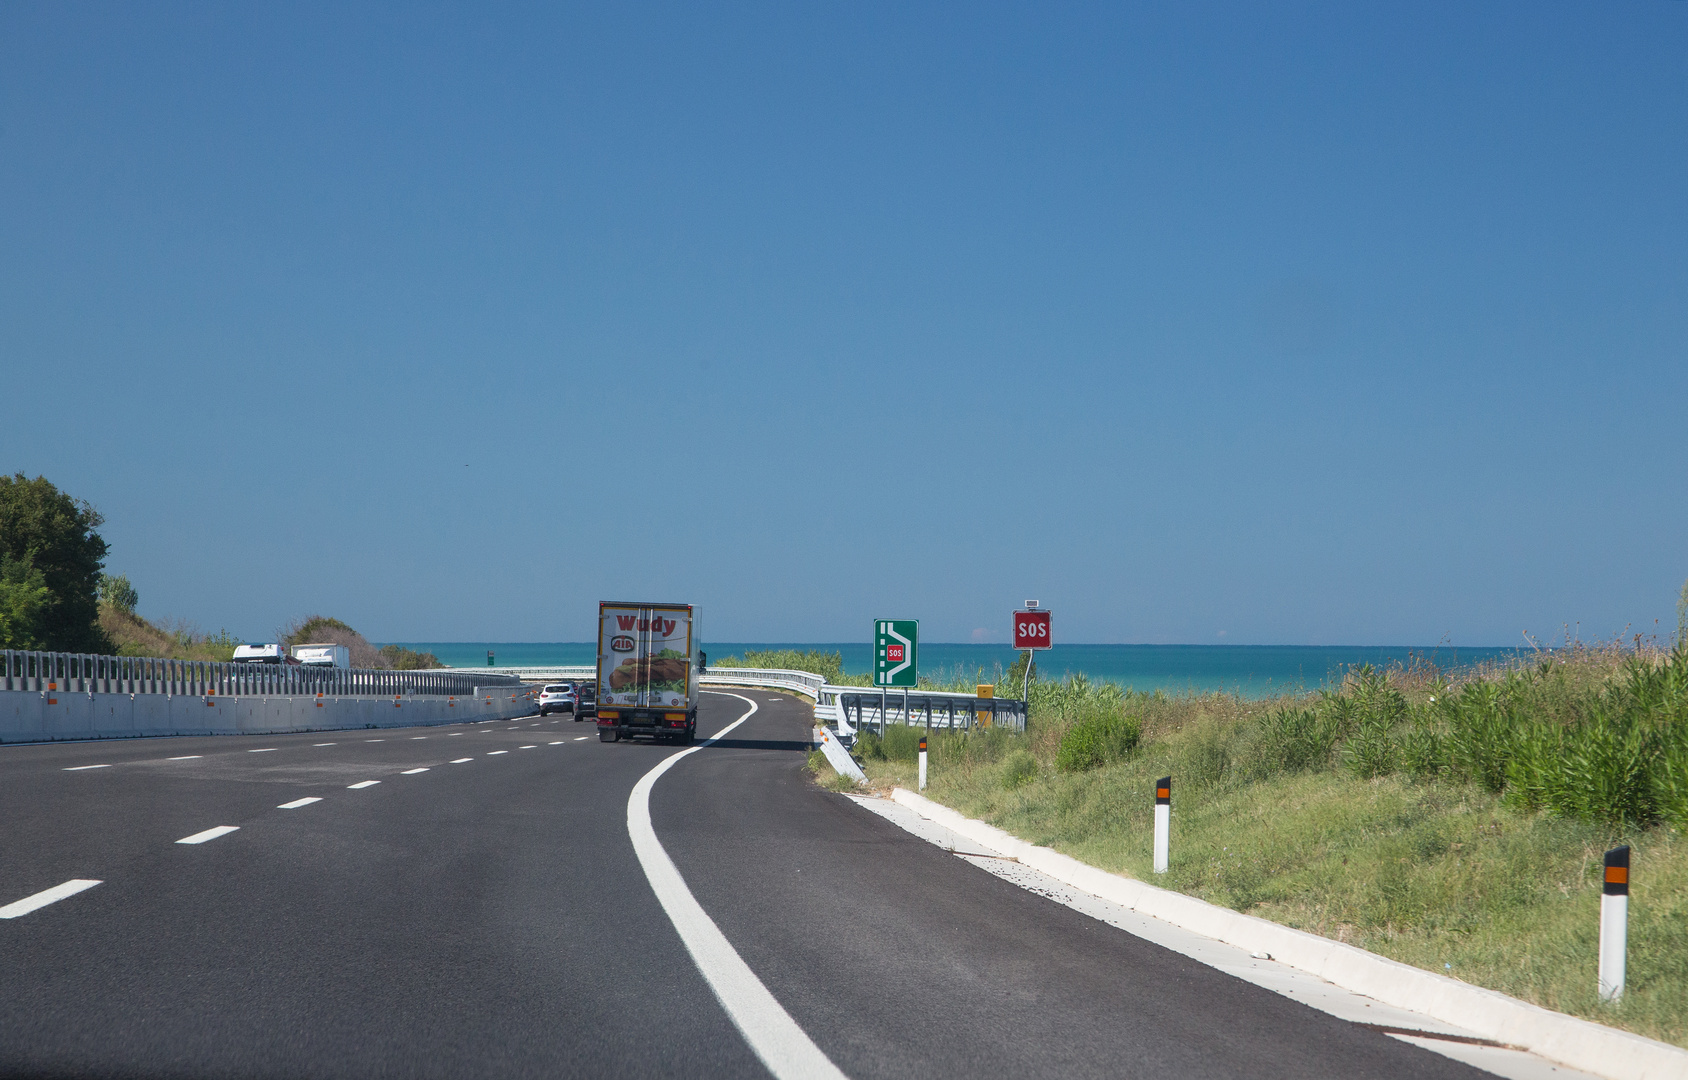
488 917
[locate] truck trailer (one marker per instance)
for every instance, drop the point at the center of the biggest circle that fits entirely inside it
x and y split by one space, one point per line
648 661
324 655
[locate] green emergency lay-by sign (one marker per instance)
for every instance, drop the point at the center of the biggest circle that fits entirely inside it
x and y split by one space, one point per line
895 645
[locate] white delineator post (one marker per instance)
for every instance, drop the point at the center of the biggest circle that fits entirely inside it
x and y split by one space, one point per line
1163 821
923 763
1614 924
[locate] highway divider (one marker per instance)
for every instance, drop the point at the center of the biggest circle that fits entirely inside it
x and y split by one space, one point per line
47 697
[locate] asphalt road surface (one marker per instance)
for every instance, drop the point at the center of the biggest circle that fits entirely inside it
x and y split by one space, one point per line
489 917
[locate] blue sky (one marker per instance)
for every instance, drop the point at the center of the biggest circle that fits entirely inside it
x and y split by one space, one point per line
1200 323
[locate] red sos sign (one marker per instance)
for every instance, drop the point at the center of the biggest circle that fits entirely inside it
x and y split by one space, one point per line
1031 630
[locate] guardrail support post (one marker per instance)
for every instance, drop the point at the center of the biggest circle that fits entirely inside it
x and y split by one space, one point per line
923 763
1614 924
1163 821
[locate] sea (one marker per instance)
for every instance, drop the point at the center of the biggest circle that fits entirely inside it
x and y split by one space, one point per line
1251 671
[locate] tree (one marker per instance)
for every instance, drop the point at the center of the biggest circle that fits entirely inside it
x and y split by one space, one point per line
118 592
23 597
46 532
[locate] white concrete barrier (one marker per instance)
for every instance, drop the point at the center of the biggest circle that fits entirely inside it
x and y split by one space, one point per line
50 716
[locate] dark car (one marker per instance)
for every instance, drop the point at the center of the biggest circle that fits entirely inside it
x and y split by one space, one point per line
586 700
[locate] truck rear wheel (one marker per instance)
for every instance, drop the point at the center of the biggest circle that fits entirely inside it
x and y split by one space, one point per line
608 734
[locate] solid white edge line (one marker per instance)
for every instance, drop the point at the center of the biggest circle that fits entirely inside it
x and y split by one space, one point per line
45 897
297 803
783 1046
209 834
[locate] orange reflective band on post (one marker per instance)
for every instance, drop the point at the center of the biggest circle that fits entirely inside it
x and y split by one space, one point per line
1617 875
1163 793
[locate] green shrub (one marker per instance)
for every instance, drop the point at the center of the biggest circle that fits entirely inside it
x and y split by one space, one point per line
1098 741
901 742
1292 741
402 659
829 665
1018 769
1423 751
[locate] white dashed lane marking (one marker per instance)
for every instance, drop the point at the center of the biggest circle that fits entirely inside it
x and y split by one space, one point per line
297 803
495 753
364 784
559 742
580 738
413 738
264 750
535 746
45 897
461 760
209 834
375 740
413 772
457 733
185 757
324 744
82 768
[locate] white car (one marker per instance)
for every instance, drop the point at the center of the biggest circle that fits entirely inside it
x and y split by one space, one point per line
558 697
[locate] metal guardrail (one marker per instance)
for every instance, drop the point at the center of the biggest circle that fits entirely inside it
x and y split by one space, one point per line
801 681
852 707
94 674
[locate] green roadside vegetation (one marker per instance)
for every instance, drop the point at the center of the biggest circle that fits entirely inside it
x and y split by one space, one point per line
1454 821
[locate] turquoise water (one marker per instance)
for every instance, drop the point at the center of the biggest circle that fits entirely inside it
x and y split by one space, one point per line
1249 670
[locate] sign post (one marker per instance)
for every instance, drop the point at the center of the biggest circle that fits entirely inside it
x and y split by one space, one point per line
1031 632
896 643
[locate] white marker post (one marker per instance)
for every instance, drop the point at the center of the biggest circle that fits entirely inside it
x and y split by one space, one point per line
1163 821
923 763
1614 924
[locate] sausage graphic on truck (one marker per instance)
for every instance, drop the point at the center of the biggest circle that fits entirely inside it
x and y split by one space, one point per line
648 661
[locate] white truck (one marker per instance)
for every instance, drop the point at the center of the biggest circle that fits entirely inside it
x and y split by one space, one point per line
330 655
648 662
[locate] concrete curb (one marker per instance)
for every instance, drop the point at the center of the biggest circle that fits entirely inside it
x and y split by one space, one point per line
1581 1044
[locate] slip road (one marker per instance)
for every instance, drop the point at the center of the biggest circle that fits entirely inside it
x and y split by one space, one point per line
468 902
